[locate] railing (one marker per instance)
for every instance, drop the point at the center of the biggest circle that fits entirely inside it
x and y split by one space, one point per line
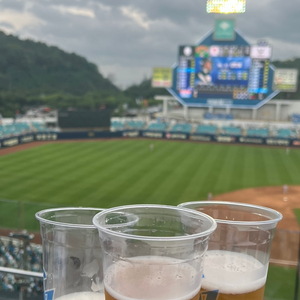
23 282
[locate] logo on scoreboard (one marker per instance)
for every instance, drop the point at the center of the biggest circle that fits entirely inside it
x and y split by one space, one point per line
260 52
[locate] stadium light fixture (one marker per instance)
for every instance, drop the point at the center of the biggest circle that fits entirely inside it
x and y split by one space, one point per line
226 6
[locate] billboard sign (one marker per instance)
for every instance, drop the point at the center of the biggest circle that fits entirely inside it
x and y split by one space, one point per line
261 52
223 73
224 30
162 77
286 80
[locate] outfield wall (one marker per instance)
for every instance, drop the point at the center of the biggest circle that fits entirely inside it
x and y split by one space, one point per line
84 135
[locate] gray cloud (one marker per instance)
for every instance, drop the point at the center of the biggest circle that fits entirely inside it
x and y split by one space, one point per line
129 37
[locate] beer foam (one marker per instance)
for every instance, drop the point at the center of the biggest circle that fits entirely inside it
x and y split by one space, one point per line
233 273
152 277
83 296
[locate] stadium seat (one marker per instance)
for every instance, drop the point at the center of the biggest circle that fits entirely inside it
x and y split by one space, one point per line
186 128
231 130
40 126
158 126
11 255
258 132
285 134
117 125
207 129
135 124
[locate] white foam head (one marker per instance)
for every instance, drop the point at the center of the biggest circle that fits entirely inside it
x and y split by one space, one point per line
233 273
153 278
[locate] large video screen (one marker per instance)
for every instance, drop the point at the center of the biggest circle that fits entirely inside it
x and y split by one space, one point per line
232 72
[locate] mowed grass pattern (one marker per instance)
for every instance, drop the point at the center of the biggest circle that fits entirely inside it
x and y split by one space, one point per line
111 173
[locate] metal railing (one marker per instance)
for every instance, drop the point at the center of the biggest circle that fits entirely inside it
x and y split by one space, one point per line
22 281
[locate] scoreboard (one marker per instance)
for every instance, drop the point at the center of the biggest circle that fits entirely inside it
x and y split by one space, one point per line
223 73
233 72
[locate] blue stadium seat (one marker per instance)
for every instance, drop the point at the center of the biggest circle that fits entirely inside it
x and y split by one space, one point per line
285 134
296 118
117 125
135 124
258 132
158 126
40 126
11 255
182 128
207 129
231 130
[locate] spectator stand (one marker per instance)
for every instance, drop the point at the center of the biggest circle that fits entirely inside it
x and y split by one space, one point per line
18 253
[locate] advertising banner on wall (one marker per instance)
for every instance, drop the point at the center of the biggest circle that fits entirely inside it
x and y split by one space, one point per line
162 77
286 80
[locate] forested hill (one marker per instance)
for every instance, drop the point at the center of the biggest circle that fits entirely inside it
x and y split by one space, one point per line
34 68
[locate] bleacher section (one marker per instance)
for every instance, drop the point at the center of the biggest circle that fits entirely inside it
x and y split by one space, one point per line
186 128
18 128
207 129
135 125
285 133
296 118
14 129
12 256
258 132
39 126
117 125
231 130
157 126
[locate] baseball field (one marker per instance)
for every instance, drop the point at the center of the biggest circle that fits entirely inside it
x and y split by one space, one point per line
118 172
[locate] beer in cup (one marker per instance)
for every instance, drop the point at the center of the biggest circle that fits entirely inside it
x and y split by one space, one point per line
157 257
237 260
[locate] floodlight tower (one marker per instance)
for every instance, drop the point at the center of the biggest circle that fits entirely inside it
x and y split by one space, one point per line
226 6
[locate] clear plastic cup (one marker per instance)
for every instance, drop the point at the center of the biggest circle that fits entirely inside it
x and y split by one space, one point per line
237 260
72 255
153 251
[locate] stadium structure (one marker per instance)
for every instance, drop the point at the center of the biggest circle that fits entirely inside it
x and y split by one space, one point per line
220 113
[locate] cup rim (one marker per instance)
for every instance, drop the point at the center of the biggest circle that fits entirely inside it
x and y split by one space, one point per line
39 216
108 229
274 215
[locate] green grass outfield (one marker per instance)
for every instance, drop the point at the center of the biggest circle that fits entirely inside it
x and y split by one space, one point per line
111 173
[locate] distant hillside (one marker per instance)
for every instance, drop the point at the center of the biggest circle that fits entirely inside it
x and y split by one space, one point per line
35 68
289 64
144 90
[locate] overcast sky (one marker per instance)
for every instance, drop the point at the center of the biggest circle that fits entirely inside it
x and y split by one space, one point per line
127 38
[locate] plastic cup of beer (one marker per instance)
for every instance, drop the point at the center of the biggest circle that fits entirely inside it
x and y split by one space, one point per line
72 255
237 260
157 257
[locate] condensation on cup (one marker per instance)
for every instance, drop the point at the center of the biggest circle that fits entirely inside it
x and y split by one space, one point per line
72 255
